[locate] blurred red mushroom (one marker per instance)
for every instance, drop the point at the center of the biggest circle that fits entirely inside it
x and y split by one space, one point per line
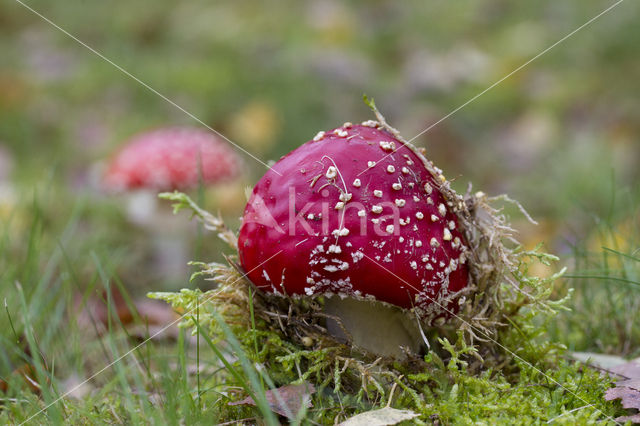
171 158
166 159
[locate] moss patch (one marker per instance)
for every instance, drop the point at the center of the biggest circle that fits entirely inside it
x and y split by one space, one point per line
513 374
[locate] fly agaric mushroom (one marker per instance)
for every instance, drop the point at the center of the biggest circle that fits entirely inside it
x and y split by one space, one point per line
171 158
163 160
355 214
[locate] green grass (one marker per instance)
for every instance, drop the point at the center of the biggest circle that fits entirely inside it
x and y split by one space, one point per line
130 381
606 276
164 381
39 281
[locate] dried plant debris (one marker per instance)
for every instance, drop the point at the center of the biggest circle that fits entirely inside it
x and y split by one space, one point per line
383 417
28 373
627 389
628 370
598 360
286 401
630 399
112 308
210 222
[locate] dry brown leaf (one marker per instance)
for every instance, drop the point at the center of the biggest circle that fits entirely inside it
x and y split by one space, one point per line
293 397
154 314
157 319
627 390
630 370
633 419
382 417
630 397
603 361
630 383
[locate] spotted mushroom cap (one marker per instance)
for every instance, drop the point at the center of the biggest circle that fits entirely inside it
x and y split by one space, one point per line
171 158
354 212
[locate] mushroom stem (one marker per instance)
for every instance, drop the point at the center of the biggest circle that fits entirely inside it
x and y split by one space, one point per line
373 326
171 257
169 236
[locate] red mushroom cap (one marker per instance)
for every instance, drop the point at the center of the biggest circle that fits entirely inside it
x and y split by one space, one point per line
341 206
171 158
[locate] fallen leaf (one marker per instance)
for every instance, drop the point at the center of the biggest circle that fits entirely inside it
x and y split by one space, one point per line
629 383
293 397
630 370
633 419
158 318
630 397
382 417
603 361
626 389
93 314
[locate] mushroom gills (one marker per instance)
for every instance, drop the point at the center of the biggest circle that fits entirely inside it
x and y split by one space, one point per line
376 327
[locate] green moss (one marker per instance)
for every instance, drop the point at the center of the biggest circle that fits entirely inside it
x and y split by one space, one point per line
515 375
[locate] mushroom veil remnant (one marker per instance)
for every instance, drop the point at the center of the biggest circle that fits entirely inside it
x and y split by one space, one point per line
356 215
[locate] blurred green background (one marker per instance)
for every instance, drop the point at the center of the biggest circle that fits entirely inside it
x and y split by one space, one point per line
561 135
